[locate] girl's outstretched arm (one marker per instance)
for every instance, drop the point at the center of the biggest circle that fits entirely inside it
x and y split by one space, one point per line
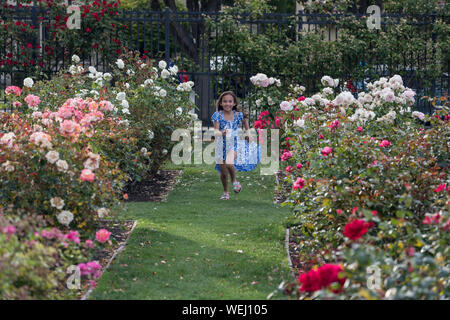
217 132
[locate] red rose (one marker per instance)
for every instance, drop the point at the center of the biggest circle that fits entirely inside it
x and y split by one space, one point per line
356 229
329 274
321 278
310 281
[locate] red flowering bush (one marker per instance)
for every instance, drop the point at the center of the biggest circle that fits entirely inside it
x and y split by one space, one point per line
372 196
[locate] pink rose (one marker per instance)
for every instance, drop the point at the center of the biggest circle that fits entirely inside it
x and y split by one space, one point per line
13 89
299 165
89 244
87 175
10 230
359 129
385 143
102 235
286 155
32 100
299 184
289 169
68 127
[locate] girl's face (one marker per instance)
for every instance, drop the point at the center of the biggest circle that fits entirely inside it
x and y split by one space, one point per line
228 102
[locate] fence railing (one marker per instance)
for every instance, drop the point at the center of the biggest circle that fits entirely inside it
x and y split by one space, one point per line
185 38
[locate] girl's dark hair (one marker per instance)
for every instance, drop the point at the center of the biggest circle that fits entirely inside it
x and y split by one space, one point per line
226 93
236 102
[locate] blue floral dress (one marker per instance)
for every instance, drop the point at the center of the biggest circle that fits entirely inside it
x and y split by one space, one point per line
248 154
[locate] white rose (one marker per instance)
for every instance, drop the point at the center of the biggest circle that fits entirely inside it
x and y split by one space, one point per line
173 70
127 85
179 111
125 111
28 82
57 203
130 72
148 82
144 150
52 156
165 74
151 135
300 123
102 212
92 70
164 152
75 58
162 93
65 217
286 106
125 104
162 64
121 96
99 82
62 165
107 76
8 166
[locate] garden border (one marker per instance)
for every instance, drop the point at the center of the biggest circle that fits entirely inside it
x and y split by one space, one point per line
286 245
87 294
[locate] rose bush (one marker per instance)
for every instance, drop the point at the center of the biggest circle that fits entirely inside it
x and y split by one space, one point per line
34 258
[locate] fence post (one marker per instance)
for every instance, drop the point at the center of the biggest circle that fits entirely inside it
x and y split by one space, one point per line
34 23
167 33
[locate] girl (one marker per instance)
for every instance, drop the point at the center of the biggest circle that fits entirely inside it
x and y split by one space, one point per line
232 153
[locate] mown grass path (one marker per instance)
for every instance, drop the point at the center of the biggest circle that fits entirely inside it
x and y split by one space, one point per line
196 246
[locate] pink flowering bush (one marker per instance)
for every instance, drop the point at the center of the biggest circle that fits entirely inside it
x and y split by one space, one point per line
34 258
51 166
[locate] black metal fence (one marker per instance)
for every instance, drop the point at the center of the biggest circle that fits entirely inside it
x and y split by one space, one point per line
185 38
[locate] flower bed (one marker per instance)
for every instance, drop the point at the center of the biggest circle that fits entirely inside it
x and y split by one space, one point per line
67 153
370 194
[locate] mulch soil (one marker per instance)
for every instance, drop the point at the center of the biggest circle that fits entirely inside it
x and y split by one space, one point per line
154 189
281 191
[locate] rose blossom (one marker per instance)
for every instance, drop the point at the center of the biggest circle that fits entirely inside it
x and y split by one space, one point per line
65 217
87 175
32 100
356 229
286 155
68 127
299 184
322 277
62 165
73 236
385 143
13 89
89 244
326 151
52 156
57 202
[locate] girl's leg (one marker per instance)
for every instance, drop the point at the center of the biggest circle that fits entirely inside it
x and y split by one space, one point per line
224 176
231 156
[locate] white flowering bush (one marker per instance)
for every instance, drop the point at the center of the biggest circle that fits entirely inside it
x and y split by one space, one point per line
266 95
138 96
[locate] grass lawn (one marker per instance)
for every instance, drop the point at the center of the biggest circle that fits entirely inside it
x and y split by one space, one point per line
196 246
